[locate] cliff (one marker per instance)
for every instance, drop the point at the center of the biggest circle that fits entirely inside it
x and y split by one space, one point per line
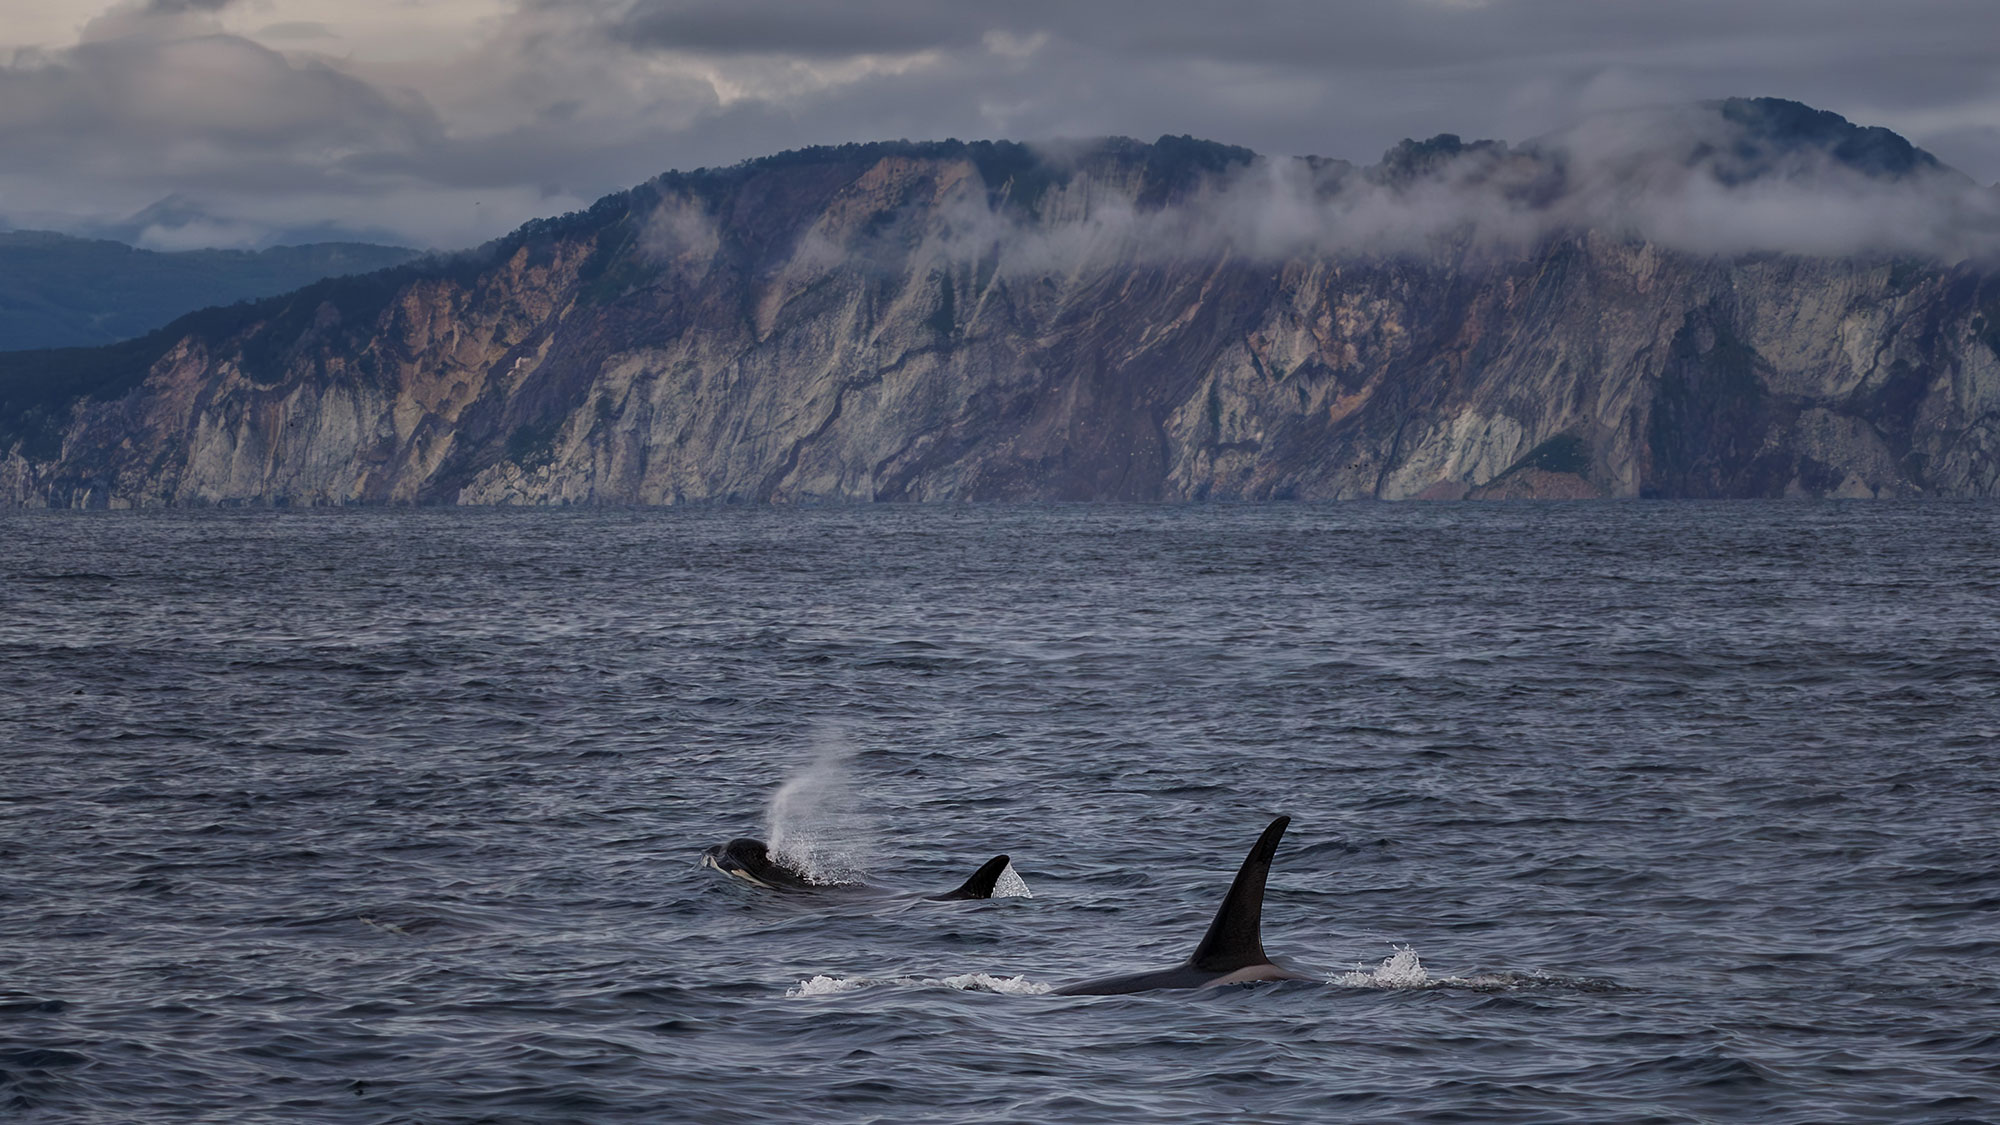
1111 320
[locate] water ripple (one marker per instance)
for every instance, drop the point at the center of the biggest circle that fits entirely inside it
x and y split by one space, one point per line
1602 813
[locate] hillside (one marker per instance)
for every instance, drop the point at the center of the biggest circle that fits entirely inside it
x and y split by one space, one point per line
1745 298
59 292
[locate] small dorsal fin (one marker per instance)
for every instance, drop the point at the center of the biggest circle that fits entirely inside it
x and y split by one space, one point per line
981 883
1235 939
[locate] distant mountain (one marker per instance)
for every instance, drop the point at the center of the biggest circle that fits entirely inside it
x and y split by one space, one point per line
1742 298
57 291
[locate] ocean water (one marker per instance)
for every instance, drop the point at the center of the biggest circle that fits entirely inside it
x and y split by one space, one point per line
1601 812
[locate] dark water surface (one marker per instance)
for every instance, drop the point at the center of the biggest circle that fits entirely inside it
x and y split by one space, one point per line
1683 812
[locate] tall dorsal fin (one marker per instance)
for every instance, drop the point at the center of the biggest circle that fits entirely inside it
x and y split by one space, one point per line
981 883
1235 939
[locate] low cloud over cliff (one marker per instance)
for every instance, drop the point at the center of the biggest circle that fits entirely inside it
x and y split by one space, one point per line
1721 178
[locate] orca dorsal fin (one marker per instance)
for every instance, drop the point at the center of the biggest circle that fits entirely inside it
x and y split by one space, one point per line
981 883
1235 939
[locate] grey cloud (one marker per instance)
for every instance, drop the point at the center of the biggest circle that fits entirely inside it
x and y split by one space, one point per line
120 121
790 28
568 99
1373 70
1373 34
192 109
178 7
296 31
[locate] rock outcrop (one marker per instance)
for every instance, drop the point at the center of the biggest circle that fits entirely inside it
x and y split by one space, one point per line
993 322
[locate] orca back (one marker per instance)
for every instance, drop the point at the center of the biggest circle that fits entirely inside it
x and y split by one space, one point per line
1232 952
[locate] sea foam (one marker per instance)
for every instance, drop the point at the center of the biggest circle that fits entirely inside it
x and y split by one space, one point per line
964 982
1401 969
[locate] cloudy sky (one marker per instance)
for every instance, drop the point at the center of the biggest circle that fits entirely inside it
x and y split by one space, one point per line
444 122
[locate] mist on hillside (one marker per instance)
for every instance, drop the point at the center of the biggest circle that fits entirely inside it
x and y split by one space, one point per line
1721 178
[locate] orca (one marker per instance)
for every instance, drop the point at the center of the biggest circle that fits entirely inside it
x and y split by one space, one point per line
1232 952
751 861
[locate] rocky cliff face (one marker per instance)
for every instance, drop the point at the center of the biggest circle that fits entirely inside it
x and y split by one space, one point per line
984 322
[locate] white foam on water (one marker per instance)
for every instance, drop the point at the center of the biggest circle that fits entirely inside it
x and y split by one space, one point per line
964 982
826 986
1011 885
1401 969
816 824
987 982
